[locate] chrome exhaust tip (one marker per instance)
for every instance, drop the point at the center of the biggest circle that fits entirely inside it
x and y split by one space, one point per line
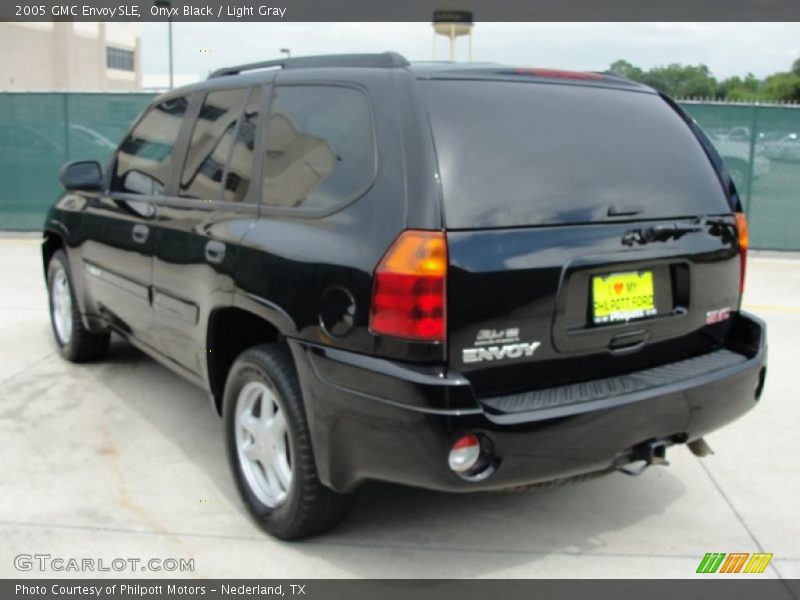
700 448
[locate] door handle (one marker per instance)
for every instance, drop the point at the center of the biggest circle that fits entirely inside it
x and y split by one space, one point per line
215 252
140 233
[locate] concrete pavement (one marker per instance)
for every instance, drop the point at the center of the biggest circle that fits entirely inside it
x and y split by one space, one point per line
124 459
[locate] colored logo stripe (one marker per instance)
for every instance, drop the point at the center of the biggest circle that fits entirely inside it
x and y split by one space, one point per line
716 561
758 563
711 562
734 562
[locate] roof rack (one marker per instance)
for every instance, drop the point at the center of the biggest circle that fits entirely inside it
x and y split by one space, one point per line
386 60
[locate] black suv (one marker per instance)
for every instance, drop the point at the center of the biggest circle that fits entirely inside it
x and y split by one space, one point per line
458 277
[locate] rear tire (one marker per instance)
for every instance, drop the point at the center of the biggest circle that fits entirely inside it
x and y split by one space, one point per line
75 342
269 447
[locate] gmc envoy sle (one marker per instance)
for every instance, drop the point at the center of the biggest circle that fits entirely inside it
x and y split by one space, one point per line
457 277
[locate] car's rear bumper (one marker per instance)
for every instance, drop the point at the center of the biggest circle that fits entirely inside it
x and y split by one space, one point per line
376 419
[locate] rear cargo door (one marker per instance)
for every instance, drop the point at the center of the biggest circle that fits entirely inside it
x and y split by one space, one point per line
588 233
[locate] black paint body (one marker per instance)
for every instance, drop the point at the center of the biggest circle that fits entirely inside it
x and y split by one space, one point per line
160 270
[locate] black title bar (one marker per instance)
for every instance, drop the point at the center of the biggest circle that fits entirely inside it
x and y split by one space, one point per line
400 10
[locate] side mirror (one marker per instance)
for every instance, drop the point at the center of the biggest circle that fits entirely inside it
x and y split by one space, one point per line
85 175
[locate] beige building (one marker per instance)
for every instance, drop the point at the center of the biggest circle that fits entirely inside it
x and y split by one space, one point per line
70 56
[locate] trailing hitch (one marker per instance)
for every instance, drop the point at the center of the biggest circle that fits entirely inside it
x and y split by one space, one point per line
649 453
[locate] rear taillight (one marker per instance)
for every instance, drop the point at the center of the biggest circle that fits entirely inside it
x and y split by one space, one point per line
408 297
744 244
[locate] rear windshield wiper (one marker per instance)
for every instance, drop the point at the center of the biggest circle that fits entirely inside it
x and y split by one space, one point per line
662 233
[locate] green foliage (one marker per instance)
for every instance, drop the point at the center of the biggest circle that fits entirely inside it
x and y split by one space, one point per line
626 69
736 88
692 81
782 86
682 81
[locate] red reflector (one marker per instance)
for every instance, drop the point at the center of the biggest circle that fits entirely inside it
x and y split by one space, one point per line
466 442
464 454
744 244
558 74
409 293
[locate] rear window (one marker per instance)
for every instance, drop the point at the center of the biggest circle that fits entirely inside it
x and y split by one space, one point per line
515 154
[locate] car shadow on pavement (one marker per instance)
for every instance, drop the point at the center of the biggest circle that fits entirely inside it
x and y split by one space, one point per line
519 526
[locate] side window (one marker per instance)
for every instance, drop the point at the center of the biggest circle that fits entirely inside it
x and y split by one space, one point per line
211 144
319 147
240 165
144 158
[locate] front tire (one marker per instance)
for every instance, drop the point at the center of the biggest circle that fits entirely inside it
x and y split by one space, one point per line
75 342
269 447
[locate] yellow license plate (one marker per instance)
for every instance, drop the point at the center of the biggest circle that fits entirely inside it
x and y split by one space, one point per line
623 296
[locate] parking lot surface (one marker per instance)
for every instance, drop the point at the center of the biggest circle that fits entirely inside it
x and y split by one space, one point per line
122 459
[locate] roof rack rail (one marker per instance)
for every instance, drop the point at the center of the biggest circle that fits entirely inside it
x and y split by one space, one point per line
386 60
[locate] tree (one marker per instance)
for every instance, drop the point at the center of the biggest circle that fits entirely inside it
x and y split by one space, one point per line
736 88
682 81
687 81
782 86
626 69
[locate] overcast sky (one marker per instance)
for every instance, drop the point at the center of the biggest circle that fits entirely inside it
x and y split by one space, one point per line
727 48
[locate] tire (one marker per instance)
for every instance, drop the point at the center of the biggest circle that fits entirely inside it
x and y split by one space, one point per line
75 342
261 386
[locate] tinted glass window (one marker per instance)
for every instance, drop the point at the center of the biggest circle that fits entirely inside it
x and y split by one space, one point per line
211 145
144 158
240 164
319 147
523 153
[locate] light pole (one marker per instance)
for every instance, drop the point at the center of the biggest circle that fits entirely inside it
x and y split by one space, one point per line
167 4
287 52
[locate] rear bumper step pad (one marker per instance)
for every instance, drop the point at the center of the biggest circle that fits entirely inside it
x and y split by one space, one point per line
611 387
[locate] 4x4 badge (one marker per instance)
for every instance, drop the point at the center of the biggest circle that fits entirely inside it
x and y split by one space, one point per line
506 351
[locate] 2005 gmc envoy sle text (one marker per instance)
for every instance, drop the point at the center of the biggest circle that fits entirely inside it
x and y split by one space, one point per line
457 277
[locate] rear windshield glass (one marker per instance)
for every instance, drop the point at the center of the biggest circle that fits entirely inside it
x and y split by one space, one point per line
514 154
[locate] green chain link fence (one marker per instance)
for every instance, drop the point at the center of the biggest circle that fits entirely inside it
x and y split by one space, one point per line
761 147
41 131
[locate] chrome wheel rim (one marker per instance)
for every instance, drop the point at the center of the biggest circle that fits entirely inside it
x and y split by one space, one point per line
262 443
61 306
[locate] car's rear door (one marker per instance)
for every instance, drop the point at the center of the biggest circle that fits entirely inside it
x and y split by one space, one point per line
588 233
201 225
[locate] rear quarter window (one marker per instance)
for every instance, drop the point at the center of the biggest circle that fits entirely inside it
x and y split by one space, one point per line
514 154
320 147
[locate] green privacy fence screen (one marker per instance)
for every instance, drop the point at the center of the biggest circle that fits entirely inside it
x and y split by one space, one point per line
761 147
41 131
